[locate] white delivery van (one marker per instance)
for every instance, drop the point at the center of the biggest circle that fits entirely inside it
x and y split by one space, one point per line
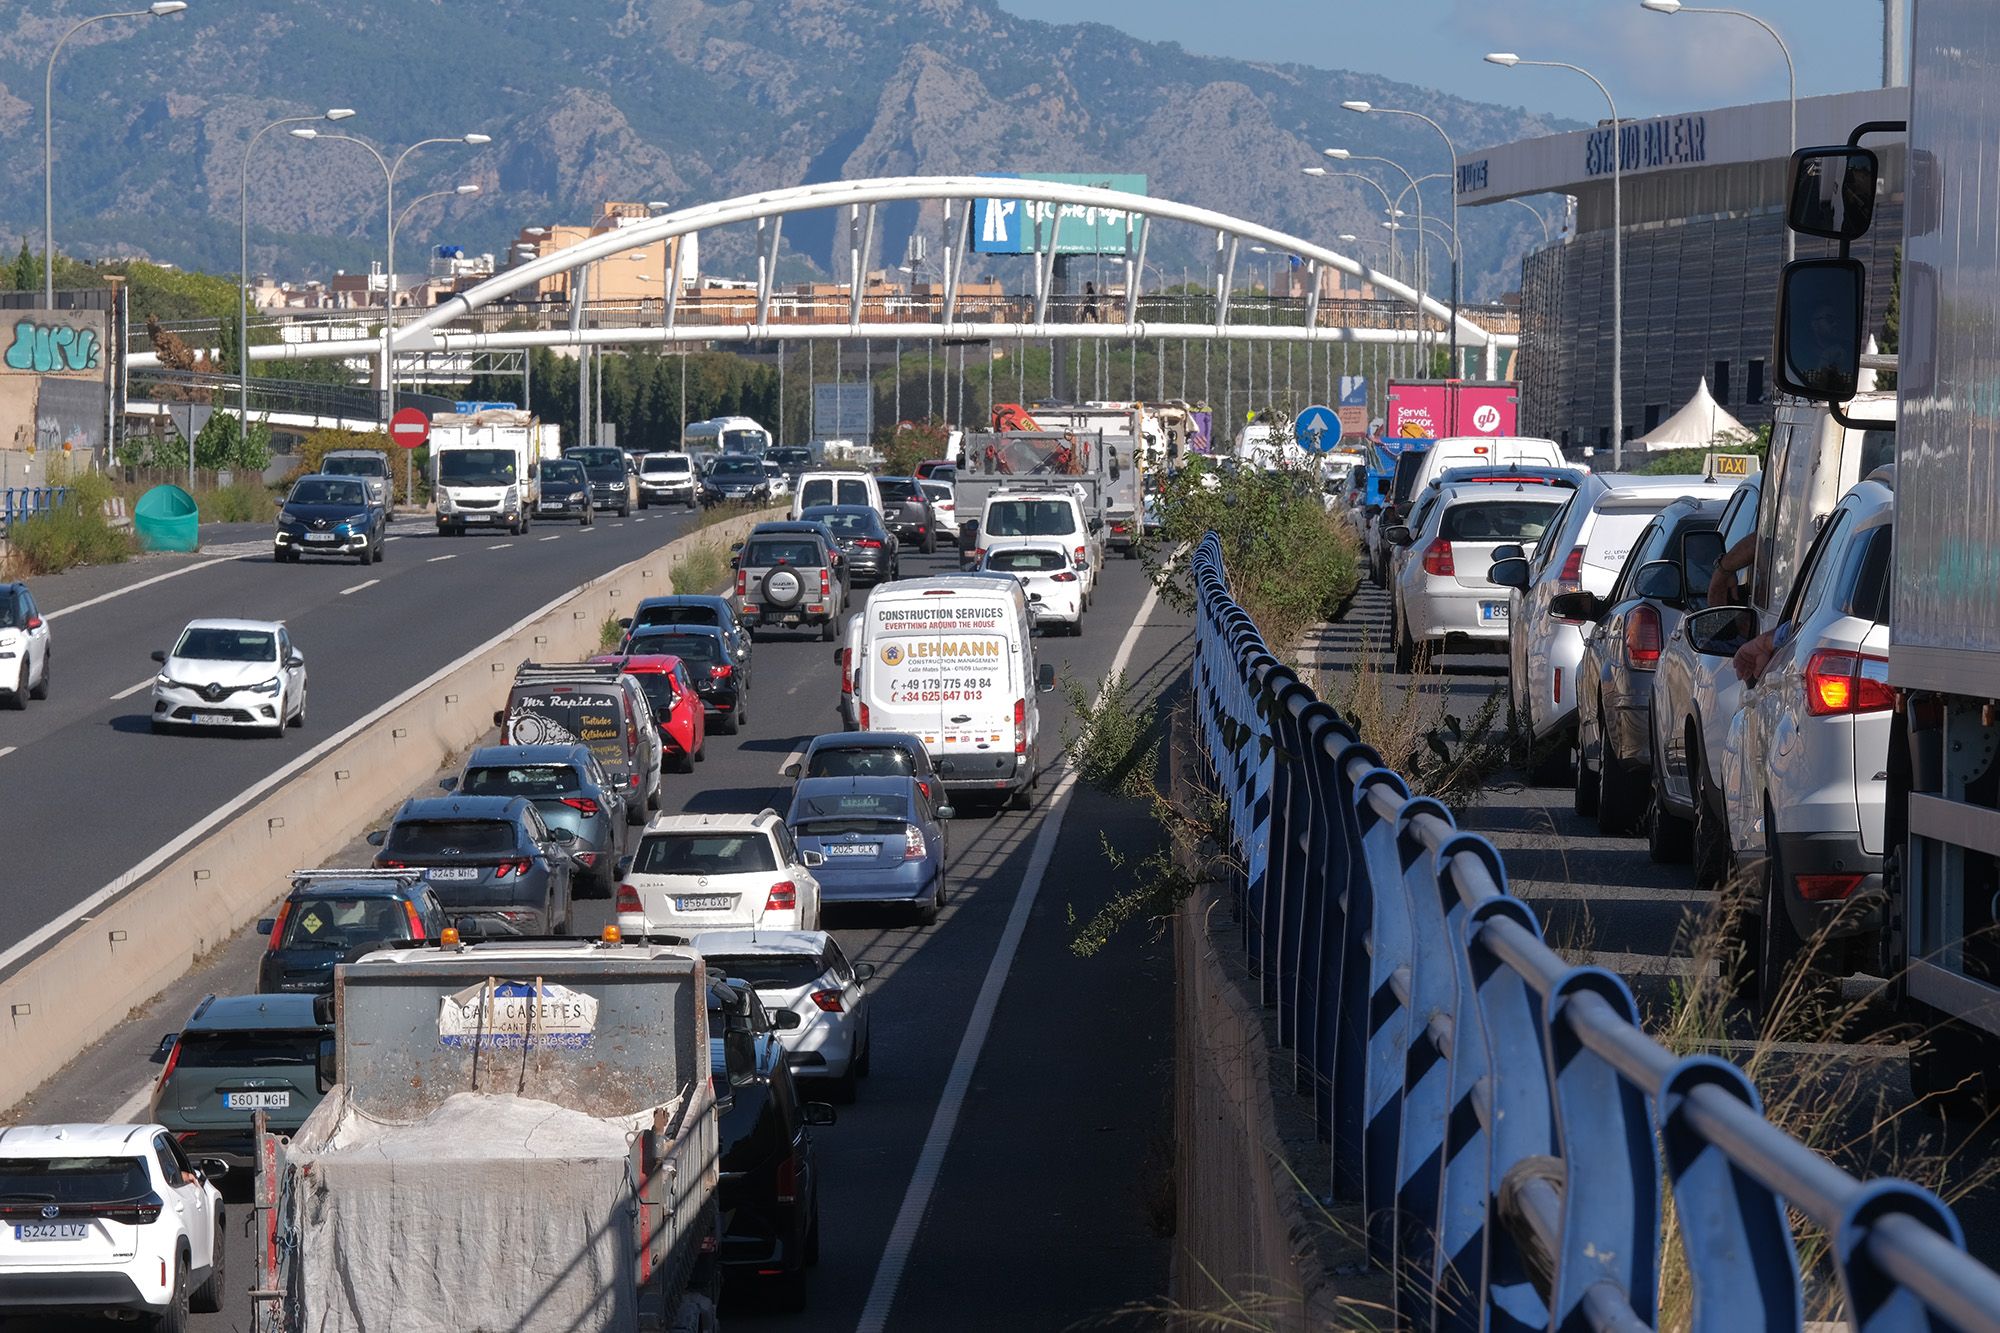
486 469
836 488
1482 450
951 659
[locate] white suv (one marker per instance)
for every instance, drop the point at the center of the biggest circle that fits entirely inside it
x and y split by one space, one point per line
707 872
25 663
108 1220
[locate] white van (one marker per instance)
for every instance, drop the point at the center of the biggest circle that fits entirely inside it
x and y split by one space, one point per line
1050 509
836 488
1484 450
951 659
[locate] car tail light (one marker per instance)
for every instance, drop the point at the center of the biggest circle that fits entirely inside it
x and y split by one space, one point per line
742 584
1082 556
721 671
828 1001
846 671
825 583
1842 681
584 803
628 900
278 924
1570 577
632 781
788 1179
913 842
1826 888
868 543
136 1212
1064 577
391 865
864 717
631 736
1437 558
173 1058
506 868
1020 726
1559 685
784 897
975 555
1642 637
415 919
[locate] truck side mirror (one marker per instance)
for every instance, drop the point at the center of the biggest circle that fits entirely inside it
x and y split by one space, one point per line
1820 321
376 837
1509 553
784 1020
164 1049
1045 678
1396 534
1833 192
1581 605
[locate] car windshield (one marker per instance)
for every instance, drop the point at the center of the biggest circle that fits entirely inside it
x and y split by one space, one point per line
233 1048
563 473
354 467
850 805
717 853
1497 521
451 837
793 457
522 780
742 441
601 464
895 490
325 491
737 469
655 463
697 648
343 923
875 761
1026 562
1030 518
72 1179
761 555
850 522
208 644
476 467
772 971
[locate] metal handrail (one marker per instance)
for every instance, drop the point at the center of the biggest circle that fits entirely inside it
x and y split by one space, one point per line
1505 1122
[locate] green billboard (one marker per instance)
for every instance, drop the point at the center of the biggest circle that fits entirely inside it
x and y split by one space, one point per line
1004 226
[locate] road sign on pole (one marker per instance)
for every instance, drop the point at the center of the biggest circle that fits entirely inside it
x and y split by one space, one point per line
409 427
1317 429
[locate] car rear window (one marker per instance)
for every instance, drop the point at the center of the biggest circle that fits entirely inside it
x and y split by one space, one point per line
72 1179
764 554
818 491
895 492
1027 562
787 971
451 837
354 467
522 780
938 490
567 715
697 648
1030 518
1497 520
717 853
684 614
877 761
659 690
343 923
250 1046
850 805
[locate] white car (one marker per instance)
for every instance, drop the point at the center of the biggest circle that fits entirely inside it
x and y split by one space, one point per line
944 503
234 674
25 661
1442 593
1043 566
667 479
777 481
1054 510
806 972
110 1220
1805 782
703 872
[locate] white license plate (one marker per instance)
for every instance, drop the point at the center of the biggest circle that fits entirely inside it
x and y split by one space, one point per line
257 1101
321 537
552 504
1493 613
211 719
52 1231
705 902
451 872
852 849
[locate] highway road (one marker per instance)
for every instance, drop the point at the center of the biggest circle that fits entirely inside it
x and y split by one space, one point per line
1008 1157
368 633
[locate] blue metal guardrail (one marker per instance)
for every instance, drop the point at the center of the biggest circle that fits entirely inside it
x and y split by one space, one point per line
19 502
1498 1113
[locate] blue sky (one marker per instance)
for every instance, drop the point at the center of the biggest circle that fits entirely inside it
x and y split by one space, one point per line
1653 63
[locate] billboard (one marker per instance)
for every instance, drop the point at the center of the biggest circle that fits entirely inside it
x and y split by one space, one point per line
1003 226
1435 409
843 412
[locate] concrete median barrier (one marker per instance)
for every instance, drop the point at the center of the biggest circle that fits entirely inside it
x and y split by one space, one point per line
189 900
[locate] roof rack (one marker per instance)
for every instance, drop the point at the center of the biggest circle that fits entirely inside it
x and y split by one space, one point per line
363 872
559 670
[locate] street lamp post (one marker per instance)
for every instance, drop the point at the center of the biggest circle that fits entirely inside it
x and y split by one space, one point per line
338 113
1387 204
1791 77
1368 108
160 10
1522 203
1508 60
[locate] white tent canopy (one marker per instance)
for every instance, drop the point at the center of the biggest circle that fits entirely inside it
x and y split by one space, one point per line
1702 424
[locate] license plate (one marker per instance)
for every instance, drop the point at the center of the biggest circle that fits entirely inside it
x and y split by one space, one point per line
552 504
210 719
257 1101
52 1231
853 849
451 872
705 902
321 537
1492 613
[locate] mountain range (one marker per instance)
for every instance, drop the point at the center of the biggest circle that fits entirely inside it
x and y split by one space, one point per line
672 100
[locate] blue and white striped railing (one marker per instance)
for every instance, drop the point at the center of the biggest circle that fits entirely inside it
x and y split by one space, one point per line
1506 1125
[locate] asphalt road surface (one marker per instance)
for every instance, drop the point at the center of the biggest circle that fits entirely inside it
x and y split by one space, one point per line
1007 1160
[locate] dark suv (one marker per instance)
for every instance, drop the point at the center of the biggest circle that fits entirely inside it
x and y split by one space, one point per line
237 1055
334 916
721 676
485 857
906 511
769 1193
691 609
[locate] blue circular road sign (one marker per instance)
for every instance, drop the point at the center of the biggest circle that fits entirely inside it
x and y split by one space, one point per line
1318 429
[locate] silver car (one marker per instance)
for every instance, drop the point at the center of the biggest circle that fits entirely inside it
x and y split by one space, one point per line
371 465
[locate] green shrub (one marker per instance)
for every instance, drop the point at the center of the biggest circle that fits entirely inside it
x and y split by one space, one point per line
239 502
73 533
700 570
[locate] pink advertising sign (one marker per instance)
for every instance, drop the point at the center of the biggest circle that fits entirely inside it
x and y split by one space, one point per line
1437 409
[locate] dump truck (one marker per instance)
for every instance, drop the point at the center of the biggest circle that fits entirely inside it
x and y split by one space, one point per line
518 1133
1107 466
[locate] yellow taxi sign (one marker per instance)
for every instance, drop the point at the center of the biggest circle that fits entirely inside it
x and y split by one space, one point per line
1730 467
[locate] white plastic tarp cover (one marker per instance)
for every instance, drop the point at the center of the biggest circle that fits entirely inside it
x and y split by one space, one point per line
492 1213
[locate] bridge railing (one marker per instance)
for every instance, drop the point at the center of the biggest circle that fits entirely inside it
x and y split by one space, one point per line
19 502
1507 1126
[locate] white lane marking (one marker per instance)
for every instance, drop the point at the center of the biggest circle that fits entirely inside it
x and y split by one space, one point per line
349 592
131 690
499 546
396 537
621 523
434 559
142 583
6 750
200 829
930 1161
640 519
128 1110
558 537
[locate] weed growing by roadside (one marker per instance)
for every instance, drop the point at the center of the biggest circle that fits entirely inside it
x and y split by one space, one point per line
699 571
1113 746
610 634
238 502
1412 727
72 533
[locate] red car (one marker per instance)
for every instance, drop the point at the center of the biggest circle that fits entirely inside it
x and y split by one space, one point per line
683 722
937 469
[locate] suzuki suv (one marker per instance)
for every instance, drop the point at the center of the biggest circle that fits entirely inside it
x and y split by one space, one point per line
789 580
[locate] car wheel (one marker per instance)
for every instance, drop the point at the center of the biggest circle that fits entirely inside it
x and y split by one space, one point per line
1406 650
175 1318
727 724
17 699
701 752
635 813
927 914
1780 948
1711 839
41 687
865 1060
367 556
1949 1069
1621 799
1667 834
381 550
207 1298
930 543
812 1235
299 718
842 1091
1586 781
788 1291
826 631
1020 799
684 763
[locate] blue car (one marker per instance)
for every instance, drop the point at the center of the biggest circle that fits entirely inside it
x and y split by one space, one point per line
882 837
330 516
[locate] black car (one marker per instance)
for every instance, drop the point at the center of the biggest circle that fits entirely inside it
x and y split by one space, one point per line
721 676
566 491
736 478
485 857
769 1192
871 552
907 512
334 916
691 609
610 473
795 459
330 516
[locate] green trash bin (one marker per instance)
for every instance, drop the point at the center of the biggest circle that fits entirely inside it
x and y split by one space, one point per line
166 519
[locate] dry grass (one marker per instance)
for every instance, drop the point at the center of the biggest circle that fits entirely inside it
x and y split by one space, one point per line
1411 725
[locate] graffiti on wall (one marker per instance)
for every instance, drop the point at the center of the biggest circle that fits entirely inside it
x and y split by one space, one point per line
54 348
55 372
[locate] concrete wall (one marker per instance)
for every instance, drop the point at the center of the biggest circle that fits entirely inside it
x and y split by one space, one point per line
133 947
